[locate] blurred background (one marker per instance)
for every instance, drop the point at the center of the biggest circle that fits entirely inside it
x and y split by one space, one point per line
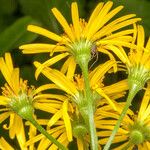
15 15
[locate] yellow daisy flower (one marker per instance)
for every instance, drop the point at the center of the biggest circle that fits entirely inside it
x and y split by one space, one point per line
59 129
134 131
17 96
84 39
70 87
73 105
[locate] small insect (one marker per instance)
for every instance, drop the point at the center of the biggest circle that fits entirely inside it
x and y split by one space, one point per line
94 53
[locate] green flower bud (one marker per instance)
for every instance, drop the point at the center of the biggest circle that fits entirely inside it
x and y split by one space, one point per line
79 131
136 137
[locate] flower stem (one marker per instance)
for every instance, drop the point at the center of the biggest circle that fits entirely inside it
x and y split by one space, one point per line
43 131
132 92
90 112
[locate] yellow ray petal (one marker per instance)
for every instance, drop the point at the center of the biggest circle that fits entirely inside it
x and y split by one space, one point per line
55 118
93 16
4 116
21 134
59 79
99 72
144 104
80 144
67 121
50 62
4 145
44 32
96 23
4 100
5 71
45 107
63 23
101 92
45 87
71 68
8 61
15 80
75 19
41 48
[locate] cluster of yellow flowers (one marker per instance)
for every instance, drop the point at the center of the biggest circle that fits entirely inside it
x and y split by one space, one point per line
82 106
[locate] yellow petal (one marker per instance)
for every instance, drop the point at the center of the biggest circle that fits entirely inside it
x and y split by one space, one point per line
50 62
8 61
5 71
63 23
15 80
101 92
41 48
93 16
45 107
99 72
44 32
4 145
4 116
55 118
75 19
96 23
67 121
59 79
144 104
71 68
45 87
21 134
80 144
4 100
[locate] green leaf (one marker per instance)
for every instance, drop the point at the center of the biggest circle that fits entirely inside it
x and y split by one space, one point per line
15 34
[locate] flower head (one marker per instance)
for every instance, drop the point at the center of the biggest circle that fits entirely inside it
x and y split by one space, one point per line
135 127
80 37
18 100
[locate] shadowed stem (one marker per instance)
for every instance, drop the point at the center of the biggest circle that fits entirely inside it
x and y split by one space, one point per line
132 92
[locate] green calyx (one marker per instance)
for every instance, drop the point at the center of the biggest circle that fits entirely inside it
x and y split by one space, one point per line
139 133
22 105
82 103
79 130
138 75
81 50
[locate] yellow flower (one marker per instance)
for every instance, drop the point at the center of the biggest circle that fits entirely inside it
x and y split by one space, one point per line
68 120
135 127
57 125
71 87
18 96
84 38
138 59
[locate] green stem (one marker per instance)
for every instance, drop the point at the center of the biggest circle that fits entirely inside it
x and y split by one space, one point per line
43 131
132 92
89 103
